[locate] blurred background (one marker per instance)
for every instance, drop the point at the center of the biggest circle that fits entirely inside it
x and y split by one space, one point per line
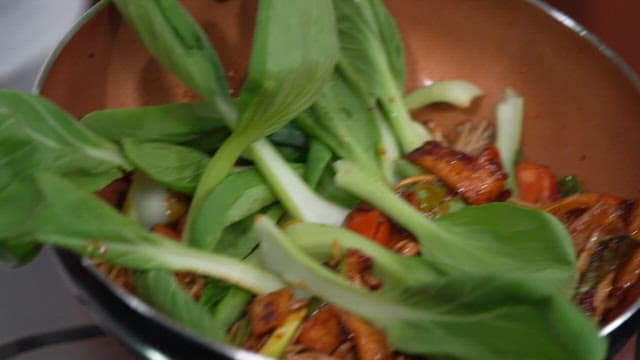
35 298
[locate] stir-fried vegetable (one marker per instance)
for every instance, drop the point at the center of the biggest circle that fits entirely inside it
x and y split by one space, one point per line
471 282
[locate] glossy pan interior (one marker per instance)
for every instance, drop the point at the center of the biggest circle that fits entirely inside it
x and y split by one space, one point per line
582 104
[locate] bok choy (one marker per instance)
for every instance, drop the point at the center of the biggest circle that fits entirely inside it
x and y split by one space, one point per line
496 238
468 316
491 281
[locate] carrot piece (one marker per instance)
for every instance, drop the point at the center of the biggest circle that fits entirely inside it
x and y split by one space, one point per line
370 223
536 183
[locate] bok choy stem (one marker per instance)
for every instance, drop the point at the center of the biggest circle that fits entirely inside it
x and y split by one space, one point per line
358 182
296 196
455 92
219 166
509 117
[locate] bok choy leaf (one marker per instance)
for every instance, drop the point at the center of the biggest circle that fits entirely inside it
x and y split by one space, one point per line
36 134
341 119
179 44
294 52
239 195
295 63
497 238
364 61
172 123
100 232
161 290
470 316
391 40
177 167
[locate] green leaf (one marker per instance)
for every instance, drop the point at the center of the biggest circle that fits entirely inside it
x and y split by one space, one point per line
173 123
318 159
18 251
500 238
329 190
468 316
212 293
364 62
569 185
290 135
99 231
231 307
209 141
177 167
341 120
295 48
176 40
36 135
20 201
161 290
391 40
239 195
294 52
238 239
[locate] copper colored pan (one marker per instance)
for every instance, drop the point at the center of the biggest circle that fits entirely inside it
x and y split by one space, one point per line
582 112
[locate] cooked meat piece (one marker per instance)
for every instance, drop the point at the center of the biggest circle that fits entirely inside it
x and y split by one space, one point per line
322 332
634 221
598 288
603 220
478 180
269 311
346 351
407 247
473 138
570 208
308 356
371 342
356 266
626 275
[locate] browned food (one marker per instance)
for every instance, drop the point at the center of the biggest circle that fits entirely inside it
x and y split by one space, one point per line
322 332
478 180
269 311
356 266
634 221
370 342
608 264
603 220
